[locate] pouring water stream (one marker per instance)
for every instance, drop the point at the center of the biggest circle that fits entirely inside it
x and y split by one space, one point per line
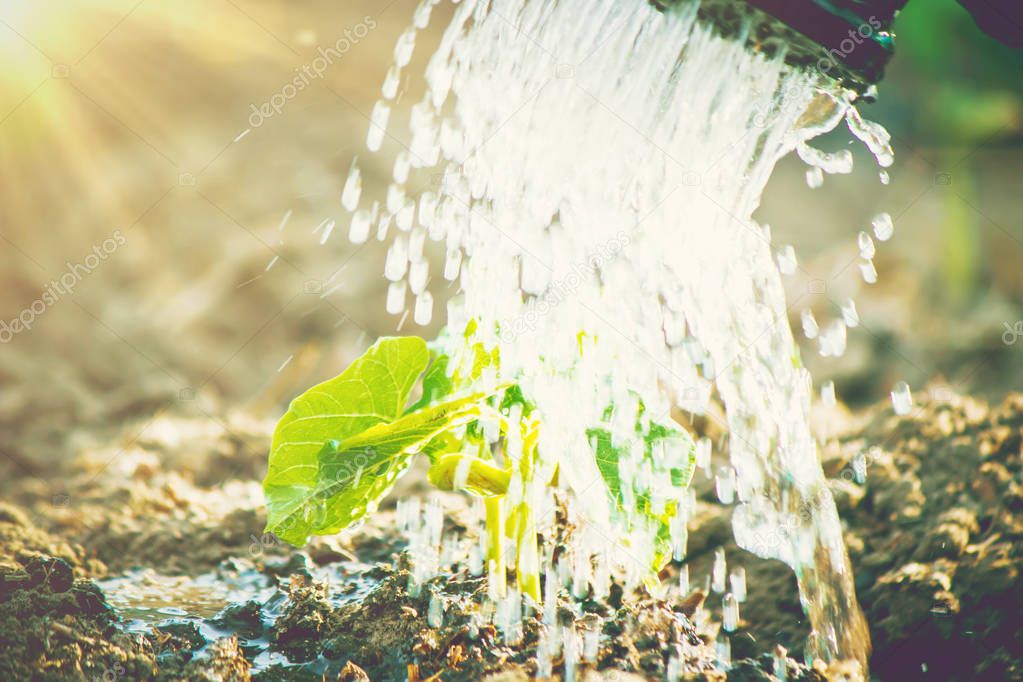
597 165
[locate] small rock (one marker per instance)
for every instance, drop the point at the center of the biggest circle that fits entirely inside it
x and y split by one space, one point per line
352 673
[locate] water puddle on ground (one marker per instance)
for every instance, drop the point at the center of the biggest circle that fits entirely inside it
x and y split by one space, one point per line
236 598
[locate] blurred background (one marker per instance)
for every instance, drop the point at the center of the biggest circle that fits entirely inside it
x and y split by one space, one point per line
164 234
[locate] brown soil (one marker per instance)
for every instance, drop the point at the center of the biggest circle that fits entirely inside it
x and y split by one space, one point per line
934 533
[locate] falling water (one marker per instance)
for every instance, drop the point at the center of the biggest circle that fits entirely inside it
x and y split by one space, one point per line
595 165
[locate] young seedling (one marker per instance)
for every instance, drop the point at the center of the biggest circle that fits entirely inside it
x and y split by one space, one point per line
343 444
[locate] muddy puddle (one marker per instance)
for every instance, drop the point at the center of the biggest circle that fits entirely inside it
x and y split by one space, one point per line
237 600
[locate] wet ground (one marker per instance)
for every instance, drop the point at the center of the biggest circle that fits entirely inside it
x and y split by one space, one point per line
157 568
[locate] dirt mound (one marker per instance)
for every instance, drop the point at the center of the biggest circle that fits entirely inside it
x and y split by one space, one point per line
56 626
936 534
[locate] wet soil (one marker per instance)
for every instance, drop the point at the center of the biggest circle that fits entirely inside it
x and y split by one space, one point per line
932 505
151 564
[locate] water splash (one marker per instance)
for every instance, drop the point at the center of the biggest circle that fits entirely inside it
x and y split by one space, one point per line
594 177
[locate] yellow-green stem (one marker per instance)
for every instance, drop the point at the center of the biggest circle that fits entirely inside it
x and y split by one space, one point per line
528 563
495 544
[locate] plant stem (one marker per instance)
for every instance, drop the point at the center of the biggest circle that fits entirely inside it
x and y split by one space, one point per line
466 472
495 544
528 566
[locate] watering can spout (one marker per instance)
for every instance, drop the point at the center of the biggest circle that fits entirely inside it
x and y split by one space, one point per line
849 40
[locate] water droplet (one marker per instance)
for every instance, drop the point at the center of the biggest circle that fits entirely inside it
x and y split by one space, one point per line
902 399
352 190
703 449
786 257
395 198
358 231
416 242
397 258
729 612
403 48
396 297
421 18
814 177
724 485
833 340
737 580
719 571
883 227
452 262
866 245
591 645
390 87
435 611
839 162
377 125
424 308
723 649
868 271
419 272
859 463
327 229
828 394
849 314
401 167
383 225
873 135
810 327
404 217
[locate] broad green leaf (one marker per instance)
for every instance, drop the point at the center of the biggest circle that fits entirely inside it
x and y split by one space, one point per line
354 474
363 477
372 390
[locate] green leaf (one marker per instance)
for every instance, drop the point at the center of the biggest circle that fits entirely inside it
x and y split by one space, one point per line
481 359
361 479
680 470
343 443
436 383
372 390
513 396
355 474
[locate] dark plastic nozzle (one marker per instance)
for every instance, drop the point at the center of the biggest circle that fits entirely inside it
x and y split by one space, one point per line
850 40
847 39
853 37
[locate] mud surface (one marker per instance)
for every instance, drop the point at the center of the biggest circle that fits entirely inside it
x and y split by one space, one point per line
932 503
149 562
